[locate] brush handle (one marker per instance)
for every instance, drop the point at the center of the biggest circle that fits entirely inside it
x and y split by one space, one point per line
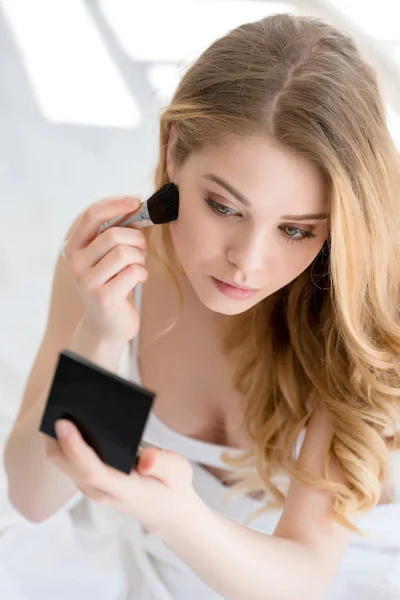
141 218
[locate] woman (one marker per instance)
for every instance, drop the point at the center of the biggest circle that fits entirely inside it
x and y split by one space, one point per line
286 339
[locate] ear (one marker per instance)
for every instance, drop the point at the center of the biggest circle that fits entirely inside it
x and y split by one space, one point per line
170 155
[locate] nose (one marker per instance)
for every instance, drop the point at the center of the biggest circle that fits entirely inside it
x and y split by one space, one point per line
247 251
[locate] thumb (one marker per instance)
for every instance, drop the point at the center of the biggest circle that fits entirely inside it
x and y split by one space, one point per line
167 466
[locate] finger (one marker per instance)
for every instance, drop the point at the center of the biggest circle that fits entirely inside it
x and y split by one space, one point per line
97 214
126 280
96 494
83 464
117 259
107 241
166 466
80 462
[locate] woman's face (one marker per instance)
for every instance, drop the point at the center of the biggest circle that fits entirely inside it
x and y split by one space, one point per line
251 215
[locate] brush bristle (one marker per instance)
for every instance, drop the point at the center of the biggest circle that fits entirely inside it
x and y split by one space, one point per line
163 206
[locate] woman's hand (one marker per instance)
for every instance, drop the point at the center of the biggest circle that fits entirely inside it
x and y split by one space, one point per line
158 493
106 267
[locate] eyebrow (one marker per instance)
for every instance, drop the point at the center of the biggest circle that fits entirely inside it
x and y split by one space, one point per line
239 196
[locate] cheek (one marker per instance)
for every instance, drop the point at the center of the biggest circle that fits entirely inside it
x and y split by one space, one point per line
188 237
179 238
197 238
297 259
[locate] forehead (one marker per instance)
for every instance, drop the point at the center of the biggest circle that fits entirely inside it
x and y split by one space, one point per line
269 175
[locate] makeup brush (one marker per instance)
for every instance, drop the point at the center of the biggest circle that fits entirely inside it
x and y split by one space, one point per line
161 207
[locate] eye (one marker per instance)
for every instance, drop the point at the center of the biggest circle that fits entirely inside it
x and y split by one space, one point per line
295 234
220 209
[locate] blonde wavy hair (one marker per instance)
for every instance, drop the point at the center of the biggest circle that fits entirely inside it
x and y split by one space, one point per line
331 337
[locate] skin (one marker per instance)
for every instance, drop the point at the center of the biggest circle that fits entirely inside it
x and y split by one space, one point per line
253 245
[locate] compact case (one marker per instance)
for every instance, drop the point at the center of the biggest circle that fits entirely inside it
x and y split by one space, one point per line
109 411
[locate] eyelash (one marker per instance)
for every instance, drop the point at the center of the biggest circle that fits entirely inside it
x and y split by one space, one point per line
214 206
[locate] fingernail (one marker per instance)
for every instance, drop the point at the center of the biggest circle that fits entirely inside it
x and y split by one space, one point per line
146 461
62 429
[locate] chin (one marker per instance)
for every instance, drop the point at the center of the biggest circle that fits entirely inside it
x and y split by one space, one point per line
231 310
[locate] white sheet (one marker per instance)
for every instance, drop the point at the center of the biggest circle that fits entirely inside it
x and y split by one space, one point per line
88 551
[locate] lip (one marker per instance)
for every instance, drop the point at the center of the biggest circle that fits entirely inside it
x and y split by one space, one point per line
239 287
233 291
